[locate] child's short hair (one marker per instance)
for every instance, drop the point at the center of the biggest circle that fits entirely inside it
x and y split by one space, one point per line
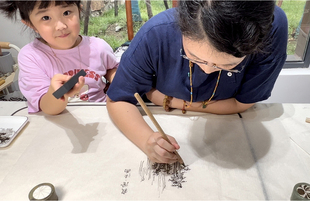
9 8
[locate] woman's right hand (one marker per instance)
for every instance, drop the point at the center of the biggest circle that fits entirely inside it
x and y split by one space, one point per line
161 151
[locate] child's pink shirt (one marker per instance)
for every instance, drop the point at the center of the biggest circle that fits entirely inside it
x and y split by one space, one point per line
38 65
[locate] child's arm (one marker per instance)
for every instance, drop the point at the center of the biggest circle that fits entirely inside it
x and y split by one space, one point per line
49 104
110 74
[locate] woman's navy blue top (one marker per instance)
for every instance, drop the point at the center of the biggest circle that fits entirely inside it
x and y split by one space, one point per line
153 61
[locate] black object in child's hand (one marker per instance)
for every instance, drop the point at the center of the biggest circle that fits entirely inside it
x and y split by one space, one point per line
68 85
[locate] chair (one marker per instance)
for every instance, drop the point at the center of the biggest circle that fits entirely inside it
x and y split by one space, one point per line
11 71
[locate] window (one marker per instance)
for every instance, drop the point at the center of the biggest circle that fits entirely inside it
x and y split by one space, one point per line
298 15
297 11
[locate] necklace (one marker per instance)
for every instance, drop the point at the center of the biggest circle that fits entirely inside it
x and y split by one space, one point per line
59 63
78 46
59 59
204 103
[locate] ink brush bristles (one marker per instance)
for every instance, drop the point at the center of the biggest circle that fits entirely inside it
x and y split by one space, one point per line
148 112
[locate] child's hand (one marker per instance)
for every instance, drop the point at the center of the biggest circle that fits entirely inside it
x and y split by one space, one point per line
58 80
160 151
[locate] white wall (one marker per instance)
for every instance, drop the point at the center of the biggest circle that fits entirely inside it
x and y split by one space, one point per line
292 86
15 33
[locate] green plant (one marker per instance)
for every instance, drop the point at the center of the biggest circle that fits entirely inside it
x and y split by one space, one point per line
103 26
294 11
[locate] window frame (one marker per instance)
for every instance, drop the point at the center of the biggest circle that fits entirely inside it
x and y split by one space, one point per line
305 63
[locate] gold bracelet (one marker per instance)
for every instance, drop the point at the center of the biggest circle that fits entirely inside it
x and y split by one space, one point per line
166 103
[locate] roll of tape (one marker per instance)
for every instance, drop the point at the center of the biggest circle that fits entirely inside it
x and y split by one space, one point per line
301 191
44 191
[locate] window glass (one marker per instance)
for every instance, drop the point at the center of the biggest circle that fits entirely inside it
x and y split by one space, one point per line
111 24
298 16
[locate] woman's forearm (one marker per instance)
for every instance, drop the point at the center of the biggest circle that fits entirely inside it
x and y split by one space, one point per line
129 120
227 106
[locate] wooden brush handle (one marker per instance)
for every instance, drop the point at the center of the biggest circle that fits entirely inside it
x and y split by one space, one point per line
148 112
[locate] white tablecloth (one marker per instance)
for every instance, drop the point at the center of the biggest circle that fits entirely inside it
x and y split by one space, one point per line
82 153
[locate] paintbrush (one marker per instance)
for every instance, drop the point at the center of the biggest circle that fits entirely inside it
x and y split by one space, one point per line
148 112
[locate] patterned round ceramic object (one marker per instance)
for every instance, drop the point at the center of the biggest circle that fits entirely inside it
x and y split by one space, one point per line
301 191
44 191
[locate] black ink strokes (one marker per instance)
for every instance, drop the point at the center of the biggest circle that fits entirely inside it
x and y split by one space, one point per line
176 172
124 190
177 178
5 135
124 185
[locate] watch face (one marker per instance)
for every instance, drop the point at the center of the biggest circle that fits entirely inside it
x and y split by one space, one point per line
81 96
42 192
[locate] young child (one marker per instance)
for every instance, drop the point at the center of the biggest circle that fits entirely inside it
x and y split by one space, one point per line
58 53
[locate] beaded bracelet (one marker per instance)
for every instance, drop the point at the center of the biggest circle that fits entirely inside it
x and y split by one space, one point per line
166 103
184 105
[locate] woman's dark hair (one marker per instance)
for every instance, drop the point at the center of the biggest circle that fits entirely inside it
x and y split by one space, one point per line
238 28
9 8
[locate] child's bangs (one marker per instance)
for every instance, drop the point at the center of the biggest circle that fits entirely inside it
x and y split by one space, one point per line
45 4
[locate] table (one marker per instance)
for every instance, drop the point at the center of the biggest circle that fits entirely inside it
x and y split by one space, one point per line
8 81
82 153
